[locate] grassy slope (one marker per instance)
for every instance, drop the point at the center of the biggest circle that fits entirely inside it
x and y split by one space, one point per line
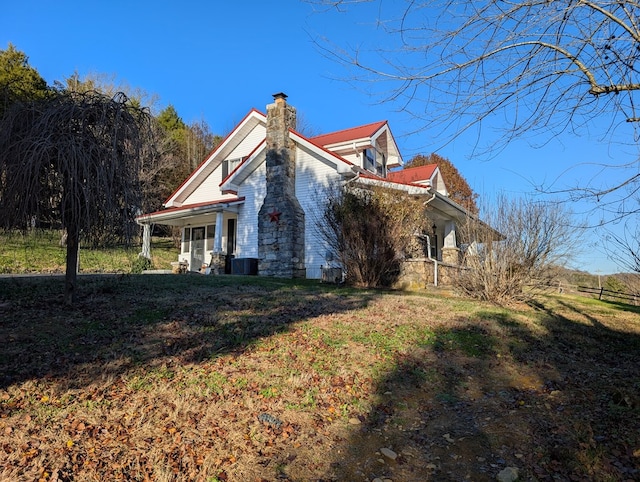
40 252
169 378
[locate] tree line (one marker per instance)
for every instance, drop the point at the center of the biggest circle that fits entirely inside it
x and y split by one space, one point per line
178 148
86 156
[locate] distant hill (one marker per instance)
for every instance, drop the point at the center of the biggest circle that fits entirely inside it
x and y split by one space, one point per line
620 282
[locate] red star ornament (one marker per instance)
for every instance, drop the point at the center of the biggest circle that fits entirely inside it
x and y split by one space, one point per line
274 215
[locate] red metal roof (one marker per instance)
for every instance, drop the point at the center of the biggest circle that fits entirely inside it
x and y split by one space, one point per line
346 135
413 174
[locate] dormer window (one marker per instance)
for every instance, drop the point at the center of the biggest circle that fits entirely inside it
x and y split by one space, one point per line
369 160
374 161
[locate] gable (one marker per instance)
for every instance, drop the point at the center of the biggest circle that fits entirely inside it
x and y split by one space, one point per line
428 175
239 143
355 143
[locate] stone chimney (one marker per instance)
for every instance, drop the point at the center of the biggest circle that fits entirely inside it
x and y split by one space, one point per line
281 218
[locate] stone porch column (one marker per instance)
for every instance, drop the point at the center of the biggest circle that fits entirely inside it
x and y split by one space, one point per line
218 258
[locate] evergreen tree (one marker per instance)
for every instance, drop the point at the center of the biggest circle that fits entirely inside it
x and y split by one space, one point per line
18 80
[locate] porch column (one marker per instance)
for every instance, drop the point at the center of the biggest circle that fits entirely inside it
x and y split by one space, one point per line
450 235
217 257
450 251
146 241
217 242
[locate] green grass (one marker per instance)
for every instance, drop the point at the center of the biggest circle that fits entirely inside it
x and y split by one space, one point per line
40 252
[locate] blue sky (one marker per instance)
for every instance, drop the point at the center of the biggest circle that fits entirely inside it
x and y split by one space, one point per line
217 60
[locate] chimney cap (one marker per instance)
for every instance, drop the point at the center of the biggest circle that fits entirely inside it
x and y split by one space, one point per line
280 96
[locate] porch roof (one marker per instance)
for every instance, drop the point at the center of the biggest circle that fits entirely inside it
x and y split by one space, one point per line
187 214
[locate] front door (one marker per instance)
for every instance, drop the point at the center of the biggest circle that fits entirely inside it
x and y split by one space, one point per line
197 249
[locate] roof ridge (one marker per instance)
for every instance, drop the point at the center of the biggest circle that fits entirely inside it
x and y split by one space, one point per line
341 131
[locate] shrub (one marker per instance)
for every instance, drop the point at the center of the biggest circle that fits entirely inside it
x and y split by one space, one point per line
369 231
141 264
517 251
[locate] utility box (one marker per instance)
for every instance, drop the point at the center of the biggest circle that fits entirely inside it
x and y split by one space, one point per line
244 266
332 275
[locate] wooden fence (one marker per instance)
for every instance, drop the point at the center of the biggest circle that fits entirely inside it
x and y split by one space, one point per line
608 294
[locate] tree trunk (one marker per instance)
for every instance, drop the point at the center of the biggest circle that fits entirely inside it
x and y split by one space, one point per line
73 245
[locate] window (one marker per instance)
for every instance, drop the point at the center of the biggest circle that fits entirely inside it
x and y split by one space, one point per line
211 234
186 240
381 165
229 165
369 160
374 161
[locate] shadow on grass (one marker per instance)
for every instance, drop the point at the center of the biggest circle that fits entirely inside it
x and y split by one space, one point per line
555 397
552 391
124 322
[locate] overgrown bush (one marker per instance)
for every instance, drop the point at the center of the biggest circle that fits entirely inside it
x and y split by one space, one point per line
516 251
369 231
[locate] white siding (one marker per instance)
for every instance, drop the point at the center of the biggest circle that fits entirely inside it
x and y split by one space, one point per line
354 158
249 143
313 178
253 189
209 190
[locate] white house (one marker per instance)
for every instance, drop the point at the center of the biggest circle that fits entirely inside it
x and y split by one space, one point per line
253 203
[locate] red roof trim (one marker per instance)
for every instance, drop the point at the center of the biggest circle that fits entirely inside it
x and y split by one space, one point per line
350 134
186 207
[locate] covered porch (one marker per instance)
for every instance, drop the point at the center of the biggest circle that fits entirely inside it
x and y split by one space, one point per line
208 232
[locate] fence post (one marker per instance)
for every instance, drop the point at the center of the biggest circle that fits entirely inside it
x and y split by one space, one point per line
600 295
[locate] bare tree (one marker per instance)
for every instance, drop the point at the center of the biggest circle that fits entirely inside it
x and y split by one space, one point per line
75 157
631 282
543 66
624 247
536 239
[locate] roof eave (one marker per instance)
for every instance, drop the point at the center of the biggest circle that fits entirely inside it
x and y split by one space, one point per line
162 217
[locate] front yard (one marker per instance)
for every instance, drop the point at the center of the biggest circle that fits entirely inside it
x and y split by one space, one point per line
203 378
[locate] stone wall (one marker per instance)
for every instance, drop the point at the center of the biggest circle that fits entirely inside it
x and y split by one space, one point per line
418 273
281 233
217 263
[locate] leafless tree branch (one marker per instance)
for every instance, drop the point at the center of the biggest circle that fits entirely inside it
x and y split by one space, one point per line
74 158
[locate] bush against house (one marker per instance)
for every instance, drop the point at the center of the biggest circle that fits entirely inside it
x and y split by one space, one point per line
371 231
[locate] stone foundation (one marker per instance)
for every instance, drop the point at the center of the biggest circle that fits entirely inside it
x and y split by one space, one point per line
217 263
419 273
